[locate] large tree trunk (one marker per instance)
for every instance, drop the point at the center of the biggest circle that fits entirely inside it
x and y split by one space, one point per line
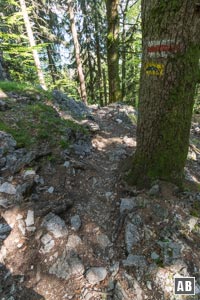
113 50
168 79
32 44
77 52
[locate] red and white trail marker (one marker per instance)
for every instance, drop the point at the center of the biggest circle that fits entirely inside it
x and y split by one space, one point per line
163 48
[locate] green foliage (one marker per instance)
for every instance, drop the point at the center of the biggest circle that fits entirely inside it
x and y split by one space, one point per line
24 88
195 211
37 123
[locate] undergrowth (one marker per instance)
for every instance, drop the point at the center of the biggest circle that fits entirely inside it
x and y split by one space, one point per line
37 123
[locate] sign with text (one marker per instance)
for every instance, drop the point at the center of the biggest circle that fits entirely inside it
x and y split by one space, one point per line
184 285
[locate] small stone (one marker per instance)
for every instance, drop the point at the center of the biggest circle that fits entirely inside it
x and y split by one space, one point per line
19 245
137 261
96 274
108 195
30 218
48 243
73 241
21 226
75 222
114 269
111 286
191 222
132 236
155 190
28 173
154 256
66 164
50 190
127 204
8 188
149 285
119 121
103 241
19 217
4 229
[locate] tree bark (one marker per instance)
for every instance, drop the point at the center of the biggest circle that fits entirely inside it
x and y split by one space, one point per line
89 55
105 87
52 66
167 86
123 54
32 44
113 50
77 52
98 54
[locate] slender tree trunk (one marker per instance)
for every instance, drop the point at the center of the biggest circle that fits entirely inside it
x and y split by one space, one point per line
4 74
77 52
123 55
52 66
113 50
98 55
32 44
105 87
168 79
89 60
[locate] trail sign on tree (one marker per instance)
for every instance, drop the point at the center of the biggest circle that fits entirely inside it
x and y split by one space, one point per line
170 70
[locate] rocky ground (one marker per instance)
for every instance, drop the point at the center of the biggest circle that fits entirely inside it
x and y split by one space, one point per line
70 228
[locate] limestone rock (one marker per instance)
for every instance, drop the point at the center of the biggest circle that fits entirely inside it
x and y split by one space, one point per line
8 188
75 222
96 274
55 225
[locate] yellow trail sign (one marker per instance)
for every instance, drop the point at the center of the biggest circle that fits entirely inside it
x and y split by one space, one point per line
154 69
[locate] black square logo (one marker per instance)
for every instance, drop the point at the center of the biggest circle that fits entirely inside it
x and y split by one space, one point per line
184 285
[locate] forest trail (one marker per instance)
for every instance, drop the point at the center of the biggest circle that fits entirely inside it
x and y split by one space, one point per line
80 233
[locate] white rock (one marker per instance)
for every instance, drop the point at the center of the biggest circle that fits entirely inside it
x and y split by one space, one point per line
19 217
55 225
51 190
31 228
28 173
73 241
103 241
46 239
48 243
66 164
30 218
21 226
119 121
96 274
75 222
8 188
127 204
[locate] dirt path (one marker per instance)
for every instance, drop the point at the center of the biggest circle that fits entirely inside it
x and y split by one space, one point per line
82 235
